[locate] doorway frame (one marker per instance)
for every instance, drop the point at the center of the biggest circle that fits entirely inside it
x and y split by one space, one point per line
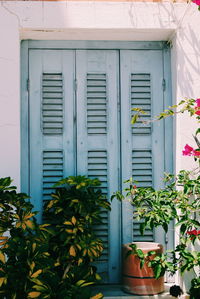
28 45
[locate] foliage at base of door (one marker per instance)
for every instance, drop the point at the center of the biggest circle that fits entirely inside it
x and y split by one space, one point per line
195 288
53 259
177 202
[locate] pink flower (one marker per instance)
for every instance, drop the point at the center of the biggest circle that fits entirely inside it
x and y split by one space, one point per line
198 100
196 2
187 150
196 153
197 108
193 232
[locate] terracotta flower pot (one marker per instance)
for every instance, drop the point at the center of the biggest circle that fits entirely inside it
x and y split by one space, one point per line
138 280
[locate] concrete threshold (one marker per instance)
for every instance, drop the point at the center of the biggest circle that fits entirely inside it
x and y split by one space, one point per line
116 292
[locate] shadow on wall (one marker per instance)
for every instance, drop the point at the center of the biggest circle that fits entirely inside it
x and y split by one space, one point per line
160 15
184 22
188 54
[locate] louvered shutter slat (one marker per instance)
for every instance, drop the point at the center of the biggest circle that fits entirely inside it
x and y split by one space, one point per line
52 102
97 168
51 116
142 143
52 171
142 173
141 98
142 167
96 104
97 143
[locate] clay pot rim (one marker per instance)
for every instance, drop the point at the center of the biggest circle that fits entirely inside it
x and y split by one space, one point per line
145 245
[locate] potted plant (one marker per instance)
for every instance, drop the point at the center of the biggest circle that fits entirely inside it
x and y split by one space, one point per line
138 276
178 201
144 263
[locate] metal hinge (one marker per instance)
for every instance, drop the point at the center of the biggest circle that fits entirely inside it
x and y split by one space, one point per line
28 85
166 238
164 84
75 85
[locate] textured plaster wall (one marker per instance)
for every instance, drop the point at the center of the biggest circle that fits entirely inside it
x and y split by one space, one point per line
9 96
186 79
186 83
92 21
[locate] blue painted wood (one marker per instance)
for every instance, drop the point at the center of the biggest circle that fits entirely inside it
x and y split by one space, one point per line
112 45
24 120
92 116
98 141
169 146
51 94
142 154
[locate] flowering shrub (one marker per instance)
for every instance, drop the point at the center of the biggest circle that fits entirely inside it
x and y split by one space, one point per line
179 201
197 2
193 232
189 151
197 108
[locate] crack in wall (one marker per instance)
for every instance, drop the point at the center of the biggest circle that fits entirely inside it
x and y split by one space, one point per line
11 12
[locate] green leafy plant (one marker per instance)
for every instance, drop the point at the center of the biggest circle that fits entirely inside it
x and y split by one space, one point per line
157 261
73 212
51 260
195 288
158 208
23 253
178 201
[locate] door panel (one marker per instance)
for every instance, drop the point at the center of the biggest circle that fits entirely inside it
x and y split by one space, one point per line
51 121
142 144
79 123
98 141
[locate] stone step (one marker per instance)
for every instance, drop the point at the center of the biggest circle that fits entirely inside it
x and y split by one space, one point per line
160 296
115 292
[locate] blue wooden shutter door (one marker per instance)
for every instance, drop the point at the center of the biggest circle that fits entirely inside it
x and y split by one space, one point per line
87 131
51 121
143 144
97 142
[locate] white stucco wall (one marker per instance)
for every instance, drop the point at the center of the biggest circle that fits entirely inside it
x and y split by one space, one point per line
186 79
96 21
9 96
